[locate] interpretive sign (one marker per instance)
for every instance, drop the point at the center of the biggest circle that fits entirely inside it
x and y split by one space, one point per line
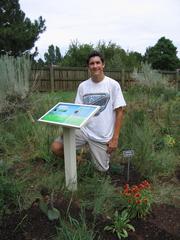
69 114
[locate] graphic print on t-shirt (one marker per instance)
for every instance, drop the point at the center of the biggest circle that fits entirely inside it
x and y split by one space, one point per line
99 99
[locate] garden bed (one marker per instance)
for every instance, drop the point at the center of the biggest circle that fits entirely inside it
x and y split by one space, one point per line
162 223
26 164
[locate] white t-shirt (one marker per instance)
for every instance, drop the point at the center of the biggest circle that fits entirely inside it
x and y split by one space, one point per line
107 94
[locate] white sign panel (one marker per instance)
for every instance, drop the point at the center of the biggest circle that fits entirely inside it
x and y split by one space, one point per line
128 153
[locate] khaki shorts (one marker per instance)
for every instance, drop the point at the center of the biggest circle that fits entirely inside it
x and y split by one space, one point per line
100 157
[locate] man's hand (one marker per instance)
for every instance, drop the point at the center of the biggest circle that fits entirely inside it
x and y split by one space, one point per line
112 145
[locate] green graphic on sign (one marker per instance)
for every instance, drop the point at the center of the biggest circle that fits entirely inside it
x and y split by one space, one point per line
69 114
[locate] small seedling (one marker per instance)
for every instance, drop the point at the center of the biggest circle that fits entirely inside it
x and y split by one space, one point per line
46 205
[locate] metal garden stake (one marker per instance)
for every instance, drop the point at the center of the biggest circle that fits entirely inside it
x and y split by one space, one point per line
128 154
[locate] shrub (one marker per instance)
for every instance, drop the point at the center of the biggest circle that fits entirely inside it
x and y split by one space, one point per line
14 80
149 77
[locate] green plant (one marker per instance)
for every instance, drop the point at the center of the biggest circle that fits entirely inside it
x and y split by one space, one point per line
10 190
97 193
14 80
149 77
139 199
46 205
74 229
121 224
169 141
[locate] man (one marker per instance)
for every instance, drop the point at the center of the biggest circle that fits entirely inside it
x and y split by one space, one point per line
102 131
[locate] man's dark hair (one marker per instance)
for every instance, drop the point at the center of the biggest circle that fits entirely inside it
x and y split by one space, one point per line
95 54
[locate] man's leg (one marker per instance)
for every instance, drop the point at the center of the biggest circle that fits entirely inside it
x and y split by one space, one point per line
57 146
99 154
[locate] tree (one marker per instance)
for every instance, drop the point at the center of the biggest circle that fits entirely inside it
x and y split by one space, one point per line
118 58
114 55
163 55
76 55
133 60
53 56
17 33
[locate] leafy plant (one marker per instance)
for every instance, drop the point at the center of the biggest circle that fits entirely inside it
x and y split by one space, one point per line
139 199
169 141
47 207
121 224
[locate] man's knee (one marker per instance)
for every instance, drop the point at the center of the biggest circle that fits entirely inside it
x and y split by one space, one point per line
57 148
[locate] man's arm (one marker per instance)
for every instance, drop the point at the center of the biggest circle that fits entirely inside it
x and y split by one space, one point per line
78 98
113 143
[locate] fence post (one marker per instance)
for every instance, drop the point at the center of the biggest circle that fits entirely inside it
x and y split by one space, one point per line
122 78
178 79
52 77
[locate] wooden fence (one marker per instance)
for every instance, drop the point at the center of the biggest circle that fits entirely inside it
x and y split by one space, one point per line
54 78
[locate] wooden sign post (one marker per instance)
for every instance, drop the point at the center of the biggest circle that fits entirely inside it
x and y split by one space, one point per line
70 116
70 158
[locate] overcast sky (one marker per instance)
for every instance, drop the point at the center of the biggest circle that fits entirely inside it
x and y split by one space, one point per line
132 24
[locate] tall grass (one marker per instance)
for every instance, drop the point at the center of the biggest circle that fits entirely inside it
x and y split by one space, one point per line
149 118
20 133
97 193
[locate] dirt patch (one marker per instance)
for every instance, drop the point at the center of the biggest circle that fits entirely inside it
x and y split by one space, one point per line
32 224
163 223
27 225
119 175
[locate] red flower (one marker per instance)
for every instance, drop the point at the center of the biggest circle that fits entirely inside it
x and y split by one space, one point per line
141 186
135 189
137 195
146 183
126 193
126 186
138 201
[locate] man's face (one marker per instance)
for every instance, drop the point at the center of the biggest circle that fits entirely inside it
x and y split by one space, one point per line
96 66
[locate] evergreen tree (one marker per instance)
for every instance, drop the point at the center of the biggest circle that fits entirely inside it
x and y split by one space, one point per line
17 33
